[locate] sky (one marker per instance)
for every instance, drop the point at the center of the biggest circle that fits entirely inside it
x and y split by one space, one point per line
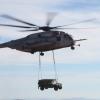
78 70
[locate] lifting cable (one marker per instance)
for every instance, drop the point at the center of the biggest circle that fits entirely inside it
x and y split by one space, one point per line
54 65
40 71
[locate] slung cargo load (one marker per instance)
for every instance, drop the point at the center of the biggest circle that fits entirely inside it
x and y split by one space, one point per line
49 83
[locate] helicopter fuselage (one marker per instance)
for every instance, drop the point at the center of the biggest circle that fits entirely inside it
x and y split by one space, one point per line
41 42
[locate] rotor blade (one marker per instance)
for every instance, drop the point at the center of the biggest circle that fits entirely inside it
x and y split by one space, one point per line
29 30
50 17
84 21
75 28
15 19
16 26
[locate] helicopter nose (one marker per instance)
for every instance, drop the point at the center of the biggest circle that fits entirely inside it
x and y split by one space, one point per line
72 44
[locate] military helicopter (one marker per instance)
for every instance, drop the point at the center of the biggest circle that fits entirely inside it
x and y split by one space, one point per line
49 39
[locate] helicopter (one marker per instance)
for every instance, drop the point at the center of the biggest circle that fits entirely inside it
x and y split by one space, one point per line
49 39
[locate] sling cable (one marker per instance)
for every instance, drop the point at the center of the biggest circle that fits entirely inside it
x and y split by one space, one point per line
48 83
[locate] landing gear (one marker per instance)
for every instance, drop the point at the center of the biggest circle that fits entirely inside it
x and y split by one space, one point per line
41 53
72 47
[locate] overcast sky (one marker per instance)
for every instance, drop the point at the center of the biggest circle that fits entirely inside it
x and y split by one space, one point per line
78 70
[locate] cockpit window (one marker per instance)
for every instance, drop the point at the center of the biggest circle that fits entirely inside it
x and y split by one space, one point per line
67 36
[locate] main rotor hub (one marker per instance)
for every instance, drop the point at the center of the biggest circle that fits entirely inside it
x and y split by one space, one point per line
45 28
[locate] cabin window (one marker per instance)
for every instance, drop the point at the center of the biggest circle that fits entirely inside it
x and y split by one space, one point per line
39 35
58 38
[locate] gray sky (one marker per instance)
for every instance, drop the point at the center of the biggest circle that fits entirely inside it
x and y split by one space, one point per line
78 70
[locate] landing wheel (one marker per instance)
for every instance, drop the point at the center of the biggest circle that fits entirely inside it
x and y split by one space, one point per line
56 88
41 88
60 87
72 47
42 54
